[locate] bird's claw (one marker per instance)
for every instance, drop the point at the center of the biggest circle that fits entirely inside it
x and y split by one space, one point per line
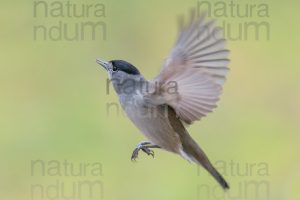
148 151
142 147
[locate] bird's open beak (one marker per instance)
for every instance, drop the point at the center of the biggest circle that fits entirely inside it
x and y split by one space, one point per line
103 63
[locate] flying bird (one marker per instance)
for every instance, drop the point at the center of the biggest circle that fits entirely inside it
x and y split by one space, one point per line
187 88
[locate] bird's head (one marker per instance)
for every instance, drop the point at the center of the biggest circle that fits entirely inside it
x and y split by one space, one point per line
118 68
121 73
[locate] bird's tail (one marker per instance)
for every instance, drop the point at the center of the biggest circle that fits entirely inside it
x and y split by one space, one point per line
193 152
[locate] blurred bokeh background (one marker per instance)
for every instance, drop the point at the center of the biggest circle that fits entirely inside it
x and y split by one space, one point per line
53 104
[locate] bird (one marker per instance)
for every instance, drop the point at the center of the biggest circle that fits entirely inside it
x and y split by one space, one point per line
187 88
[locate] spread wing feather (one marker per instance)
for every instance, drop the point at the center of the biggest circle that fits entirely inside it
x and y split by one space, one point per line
198 65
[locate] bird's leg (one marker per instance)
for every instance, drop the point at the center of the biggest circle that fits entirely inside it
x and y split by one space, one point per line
145 147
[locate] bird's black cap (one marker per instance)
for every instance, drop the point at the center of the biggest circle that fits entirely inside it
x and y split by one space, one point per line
124 66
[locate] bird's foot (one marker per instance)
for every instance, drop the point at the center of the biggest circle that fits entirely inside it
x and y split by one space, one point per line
145 147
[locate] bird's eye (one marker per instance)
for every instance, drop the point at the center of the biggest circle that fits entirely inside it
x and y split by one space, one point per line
115 68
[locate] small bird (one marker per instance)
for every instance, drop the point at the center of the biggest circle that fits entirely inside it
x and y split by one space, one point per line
186 90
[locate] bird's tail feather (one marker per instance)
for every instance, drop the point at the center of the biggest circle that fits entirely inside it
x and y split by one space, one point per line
210 168
197 155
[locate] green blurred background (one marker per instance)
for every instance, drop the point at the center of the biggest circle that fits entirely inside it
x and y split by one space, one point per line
54 106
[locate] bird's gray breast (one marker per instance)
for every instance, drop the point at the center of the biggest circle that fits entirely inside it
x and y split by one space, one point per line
151 120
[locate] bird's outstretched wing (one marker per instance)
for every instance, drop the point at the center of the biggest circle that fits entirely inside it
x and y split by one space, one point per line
196 67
